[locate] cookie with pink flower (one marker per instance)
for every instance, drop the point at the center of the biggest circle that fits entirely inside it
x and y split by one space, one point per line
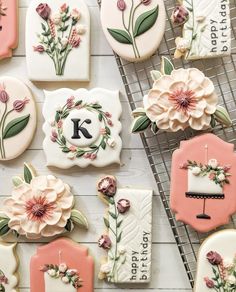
18 117
128 223
216 264
39 206
179 99
134 29
58 40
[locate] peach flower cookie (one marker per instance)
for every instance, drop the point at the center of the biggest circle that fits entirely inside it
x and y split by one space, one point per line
18 117
62 266
82 127
39 206
217 263
128 236
179 99
134 29
206 29
9 279
58 40
8 27
202 188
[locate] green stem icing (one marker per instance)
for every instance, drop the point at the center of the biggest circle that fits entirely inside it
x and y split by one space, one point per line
128 31
2 129
134 39
193 29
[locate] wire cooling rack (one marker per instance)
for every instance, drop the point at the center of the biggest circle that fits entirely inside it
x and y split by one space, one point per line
159 148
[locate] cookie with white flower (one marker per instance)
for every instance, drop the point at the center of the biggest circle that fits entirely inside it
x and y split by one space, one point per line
179 98
202 182
63 266
206 29
18 117
129 27
58 40
216 264
39 206
128 235
82 127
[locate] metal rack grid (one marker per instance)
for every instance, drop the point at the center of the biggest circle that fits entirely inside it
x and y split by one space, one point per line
159 148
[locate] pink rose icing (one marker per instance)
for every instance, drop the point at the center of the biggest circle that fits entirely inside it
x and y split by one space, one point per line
40 208
184 98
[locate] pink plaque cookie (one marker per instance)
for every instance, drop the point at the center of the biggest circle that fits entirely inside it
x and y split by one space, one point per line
8 27
203 182
61 266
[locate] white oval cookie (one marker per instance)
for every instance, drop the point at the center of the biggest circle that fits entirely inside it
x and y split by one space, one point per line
17 117
134 29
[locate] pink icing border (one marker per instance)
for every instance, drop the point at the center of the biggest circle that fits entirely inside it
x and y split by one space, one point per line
74 255
187 208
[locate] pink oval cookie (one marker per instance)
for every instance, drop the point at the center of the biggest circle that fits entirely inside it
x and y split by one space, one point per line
203 182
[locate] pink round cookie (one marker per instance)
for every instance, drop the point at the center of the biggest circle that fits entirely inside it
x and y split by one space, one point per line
8 27
203 182
61 266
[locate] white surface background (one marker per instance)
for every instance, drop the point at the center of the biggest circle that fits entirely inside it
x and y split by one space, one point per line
168 272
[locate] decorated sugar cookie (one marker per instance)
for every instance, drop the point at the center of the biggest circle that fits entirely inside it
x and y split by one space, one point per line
134 29
62 266
58 40
8 268
39 206
17 117
8 27
216 269
202 182
179 99
82 127
206 29
128 239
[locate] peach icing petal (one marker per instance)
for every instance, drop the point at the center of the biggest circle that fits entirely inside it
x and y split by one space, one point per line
201 123
39 183
178 85
180 75
179 116
163 83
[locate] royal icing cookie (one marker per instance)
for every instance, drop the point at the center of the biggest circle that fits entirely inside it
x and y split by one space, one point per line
128 240
129 27
58 40
39 206
8 27
206 29
202 182
62 266
217 263
8 267
17 117
82 127
179 99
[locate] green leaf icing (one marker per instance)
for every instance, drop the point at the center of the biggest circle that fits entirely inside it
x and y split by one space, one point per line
28 173
167 66
140 124
120 35
79 219
15 126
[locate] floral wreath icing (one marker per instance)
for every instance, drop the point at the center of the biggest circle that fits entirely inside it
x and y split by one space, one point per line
131 24
179 99
128 236
206 29
40 206
82 127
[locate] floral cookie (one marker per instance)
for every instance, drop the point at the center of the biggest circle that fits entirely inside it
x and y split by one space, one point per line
17 117
58 40
128 239
206 29
216 268
8 267
39 206
82 127
179 99
202 182
61 266
129 27
8 27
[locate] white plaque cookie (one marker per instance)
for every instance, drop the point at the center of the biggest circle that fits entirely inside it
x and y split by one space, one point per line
17 117
58 40
8 268
217 263
206 29
134 29
82 127
128 240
